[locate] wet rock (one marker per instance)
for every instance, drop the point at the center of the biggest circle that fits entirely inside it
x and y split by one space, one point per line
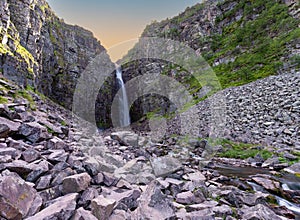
102 207
81 214
61 208
163 166
268 184
76 183
16 197
258 212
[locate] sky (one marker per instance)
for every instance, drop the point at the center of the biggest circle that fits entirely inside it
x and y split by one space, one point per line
117 23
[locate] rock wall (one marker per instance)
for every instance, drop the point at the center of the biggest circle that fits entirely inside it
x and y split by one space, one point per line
39 49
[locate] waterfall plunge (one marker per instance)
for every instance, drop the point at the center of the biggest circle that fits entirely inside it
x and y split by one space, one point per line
124 118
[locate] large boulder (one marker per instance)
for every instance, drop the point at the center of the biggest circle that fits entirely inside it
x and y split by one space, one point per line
16 197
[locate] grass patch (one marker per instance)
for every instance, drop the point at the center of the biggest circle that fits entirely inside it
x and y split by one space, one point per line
242 150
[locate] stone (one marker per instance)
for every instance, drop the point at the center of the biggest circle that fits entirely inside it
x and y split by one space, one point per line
127 138
16 197
126 200
76 183
8 127
120 215
30 155
61 208
202 206
102 208
153 204
222 211
98 179
185 198
81 214
56 144
268 184
43 182
258 212
163 166
294 169
58 156
87 196
271 162
109 179
33 132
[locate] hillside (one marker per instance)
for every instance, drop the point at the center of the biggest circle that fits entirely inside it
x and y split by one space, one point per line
40 51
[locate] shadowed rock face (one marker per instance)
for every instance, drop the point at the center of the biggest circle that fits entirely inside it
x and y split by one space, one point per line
39 49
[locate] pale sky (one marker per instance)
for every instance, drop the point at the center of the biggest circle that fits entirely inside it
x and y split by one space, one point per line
117 23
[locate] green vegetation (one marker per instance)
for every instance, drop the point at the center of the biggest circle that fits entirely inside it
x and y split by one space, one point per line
256 45
26 94
3 100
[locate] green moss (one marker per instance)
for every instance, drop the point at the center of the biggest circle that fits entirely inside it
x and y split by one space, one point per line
3 100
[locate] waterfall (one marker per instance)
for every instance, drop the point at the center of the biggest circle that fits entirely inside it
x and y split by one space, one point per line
124 118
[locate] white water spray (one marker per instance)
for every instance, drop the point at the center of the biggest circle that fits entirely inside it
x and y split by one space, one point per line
124 117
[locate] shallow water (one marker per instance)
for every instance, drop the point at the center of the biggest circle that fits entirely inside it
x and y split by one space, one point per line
288 182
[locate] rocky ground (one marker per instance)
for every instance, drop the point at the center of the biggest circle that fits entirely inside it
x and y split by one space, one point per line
51 170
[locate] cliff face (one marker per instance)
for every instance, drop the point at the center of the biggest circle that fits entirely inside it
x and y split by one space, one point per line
241 40
39 49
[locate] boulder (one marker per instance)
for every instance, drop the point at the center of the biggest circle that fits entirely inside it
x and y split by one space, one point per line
102 207
185 198
76 183
81 214
16 197
33 132
163 166
127 138
258 212
61 208
294 169
153 204
8 127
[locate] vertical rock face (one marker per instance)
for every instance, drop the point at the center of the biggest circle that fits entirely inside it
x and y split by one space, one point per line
39 49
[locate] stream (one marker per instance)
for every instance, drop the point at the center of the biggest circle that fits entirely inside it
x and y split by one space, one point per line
288 182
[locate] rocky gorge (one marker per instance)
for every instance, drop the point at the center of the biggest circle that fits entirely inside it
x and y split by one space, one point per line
244 162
